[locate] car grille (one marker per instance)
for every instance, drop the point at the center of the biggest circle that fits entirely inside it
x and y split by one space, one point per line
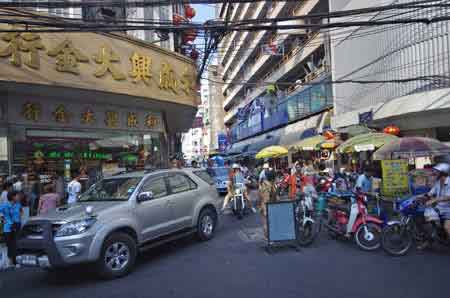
36 231
33 231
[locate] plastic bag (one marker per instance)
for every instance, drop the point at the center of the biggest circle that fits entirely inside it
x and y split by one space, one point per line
431 214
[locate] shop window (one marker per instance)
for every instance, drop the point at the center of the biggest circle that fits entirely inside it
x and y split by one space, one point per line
156 186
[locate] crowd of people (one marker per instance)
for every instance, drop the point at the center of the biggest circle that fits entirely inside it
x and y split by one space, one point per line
19 200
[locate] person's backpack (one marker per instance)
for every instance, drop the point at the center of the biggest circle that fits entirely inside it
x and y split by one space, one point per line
270 175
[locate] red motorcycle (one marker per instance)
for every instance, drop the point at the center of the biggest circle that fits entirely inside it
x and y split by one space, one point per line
366 230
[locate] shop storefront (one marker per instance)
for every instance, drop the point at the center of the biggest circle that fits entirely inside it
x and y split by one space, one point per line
91 103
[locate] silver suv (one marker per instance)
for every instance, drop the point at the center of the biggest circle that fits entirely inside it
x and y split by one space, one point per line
120 216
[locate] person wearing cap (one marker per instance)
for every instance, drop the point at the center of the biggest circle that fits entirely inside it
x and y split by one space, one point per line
440 194
262 176
267 192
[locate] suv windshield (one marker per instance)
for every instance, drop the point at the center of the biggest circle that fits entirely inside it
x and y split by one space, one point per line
114 189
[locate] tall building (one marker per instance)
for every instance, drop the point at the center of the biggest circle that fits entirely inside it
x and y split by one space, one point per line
258 114
158 13
395 52
215 110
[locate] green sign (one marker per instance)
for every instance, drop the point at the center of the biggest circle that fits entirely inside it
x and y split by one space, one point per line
84 155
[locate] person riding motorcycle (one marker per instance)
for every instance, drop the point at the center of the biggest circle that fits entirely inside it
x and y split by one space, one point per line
236 177
440 196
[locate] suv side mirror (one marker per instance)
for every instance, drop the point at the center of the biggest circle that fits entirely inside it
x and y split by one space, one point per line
145 196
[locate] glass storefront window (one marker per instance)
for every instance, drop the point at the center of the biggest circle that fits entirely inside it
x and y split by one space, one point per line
99 154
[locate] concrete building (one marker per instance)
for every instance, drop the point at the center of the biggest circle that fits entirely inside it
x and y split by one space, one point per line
258 114
169 41
418 107
215 111
66 104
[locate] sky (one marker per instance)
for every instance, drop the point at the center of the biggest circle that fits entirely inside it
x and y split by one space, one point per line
203 12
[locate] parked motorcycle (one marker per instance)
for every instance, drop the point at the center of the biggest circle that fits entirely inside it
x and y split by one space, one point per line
366 231
307 223
399 235
238 203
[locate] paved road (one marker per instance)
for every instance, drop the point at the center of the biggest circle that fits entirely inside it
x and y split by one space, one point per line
234 264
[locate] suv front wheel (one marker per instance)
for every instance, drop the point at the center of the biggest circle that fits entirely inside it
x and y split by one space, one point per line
206 224
117 257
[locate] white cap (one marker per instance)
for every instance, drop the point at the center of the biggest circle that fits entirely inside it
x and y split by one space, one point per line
236 166
266 166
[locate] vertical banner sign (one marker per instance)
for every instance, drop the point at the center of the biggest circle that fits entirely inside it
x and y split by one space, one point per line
395 177
222 142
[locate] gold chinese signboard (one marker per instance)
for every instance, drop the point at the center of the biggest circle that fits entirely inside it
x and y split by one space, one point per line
395 177
103 62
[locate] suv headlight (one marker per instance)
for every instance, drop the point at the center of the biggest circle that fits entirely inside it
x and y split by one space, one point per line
75 227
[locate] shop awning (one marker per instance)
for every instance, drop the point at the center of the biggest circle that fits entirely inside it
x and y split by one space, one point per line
308 144
365 142
237 149
258 146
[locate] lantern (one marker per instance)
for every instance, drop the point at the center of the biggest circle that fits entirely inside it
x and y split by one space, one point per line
392 130
328 135
177 19
189 11
194 54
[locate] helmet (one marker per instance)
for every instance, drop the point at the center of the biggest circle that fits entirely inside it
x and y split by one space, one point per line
442 167
235 166
266 166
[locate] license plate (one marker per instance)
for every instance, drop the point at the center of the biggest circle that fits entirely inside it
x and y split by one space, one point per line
28 260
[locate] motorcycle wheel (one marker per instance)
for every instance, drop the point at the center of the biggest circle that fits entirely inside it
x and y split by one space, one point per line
239 212
306 233
369 242
396 240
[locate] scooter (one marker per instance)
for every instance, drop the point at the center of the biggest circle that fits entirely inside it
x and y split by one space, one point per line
367 229
307 224
399 235
238 204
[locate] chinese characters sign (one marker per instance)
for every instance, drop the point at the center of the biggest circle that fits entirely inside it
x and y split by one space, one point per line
54 113
98 62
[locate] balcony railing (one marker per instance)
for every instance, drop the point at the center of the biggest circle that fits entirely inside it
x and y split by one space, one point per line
259 89
303 8
293 107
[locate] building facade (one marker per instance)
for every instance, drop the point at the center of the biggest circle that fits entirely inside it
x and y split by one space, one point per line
97 102
397 52
216 112
291 59
157 13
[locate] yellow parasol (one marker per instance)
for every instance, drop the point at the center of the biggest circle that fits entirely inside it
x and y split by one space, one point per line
272 152
308 144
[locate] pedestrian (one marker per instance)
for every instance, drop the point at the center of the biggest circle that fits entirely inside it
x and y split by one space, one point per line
49 201
74 189
18 184
11 213
267 192
7 187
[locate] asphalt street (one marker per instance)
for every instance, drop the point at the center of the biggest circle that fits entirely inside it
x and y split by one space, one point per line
235 264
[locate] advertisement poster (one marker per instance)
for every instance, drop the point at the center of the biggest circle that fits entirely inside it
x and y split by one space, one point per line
395 177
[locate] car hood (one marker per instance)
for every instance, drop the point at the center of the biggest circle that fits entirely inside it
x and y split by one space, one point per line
76 211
